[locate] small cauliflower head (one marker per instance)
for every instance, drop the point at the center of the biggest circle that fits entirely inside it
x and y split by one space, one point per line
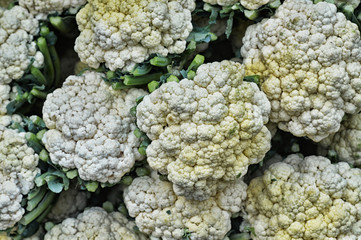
17 48
95 223
123 33
42 8
309 59
306 198
347 141
205 130
159 212
18 168
249 4
91 129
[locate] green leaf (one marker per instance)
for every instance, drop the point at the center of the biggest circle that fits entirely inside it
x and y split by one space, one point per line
55 186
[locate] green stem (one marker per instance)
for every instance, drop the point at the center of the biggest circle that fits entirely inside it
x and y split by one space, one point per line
142 70
39 94
119 86
33 142
160 61
33 193
49 67
38 75
141 80
56 62
44 214
197 61
42 206
35 201
58 23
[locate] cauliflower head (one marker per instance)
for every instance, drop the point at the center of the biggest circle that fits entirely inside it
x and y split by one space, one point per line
41 8
306 198
159 212
309 59
205 130
94 223
123 33
17 48
347 141
91 129
18 168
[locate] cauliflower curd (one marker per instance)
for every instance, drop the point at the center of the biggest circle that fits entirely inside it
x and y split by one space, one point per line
309 199
309 59
91 128
123 33
205 130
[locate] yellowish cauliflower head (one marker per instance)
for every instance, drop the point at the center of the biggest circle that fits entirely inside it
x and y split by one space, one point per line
309 59
17 48
205 130
123 33
41 8
347 141
95 223
306 198
159 212
91 128
18 168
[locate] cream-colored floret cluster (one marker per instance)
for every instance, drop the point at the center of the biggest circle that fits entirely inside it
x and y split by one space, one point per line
18 168
309 59
347 141
205 130
159 212
123 33
95 223
306 198
91 128
17 48
41 8
249 4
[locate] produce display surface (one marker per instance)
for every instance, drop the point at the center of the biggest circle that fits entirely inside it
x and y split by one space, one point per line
180 119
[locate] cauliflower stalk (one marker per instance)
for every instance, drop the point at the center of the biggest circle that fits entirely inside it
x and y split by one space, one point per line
159 212
306 198
18 168
249 4
207 130
95 223
347 141
309 59
91 129
124 33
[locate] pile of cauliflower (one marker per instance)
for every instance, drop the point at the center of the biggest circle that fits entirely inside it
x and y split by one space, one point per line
259 139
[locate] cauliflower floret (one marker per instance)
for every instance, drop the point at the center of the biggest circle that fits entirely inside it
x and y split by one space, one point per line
95 223
91 128
17 48
159 212
69 204
309 59
124 33
41 8
306 198
249 4
205 130
347 141
18 168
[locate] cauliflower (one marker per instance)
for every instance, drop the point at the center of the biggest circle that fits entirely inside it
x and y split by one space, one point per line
206 130
249 4
91 128
69 204
18 168
347 141
95 223
159 212
309 59
124 33
41 8
17 48
306 198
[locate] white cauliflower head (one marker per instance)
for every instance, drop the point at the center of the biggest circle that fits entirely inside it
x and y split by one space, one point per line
159 212
306 198
41 8
95 223
91 128
205 130
17 48
123 33
18 168
347 141
309 59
